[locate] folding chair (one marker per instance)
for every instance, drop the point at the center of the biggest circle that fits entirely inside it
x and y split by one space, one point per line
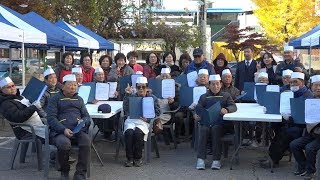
171 125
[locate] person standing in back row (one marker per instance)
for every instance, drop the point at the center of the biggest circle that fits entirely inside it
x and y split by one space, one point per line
245 69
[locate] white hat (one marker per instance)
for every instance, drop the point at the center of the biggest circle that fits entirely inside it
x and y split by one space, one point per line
215 77
297 75
287 72
139 72
69 77
97 70
165 71
142 80
5 82
226 71
263 74
288 48
76 70
48 72
203 71
315 78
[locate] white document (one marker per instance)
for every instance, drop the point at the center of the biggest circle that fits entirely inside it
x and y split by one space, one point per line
112 89
134 79
84 92
197 92
148 107
168 88
285 107
192 78
312 109
273 88
102 91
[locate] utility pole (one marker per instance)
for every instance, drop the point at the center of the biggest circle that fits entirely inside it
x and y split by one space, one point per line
204 29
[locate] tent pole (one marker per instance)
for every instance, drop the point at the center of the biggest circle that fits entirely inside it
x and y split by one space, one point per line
23 67
310 60
64 49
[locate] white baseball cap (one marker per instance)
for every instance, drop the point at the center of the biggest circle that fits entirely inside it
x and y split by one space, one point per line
97 70
142 80
69 77
48 72
215 77
287 72
297 75
76 70
165 71
226 71
315 78
5 82
203 71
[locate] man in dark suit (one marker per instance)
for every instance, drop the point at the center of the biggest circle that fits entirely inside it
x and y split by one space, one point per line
245 69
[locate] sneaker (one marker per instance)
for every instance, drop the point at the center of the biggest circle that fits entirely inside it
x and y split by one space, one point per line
308 176
137 162
300 172
200 164
216 164
128 163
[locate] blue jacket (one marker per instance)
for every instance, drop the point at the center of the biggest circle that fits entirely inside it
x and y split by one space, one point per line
196 67
64 112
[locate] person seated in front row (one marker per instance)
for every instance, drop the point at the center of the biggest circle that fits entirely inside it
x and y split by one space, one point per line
263 78
202 80
17 109
136 130
218 128
227 85
288 131
286 76
77 71
304 149
65 111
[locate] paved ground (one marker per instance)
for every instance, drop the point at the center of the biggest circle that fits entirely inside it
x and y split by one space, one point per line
173 164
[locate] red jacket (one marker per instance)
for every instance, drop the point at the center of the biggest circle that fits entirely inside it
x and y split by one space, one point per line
87 74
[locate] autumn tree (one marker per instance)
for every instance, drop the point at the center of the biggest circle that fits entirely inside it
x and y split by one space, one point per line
237 39
286 19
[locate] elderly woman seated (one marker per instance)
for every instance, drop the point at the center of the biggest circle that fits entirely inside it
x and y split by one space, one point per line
263 78
136 130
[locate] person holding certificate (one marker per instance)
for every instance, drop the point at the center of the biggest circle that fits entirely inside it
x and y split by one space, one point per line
288 131
216 127
227 85
305 148
263 78
136 130
77 71
286 76
202 81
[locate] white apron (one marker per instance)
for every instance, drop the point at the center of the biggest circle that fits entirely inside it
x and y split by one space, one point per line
164 106
137 123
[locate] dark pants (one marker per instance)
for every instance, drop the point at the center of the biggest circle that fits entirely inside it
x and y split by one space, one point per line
280 143
306 161
63 145
107 125
134 143
216 134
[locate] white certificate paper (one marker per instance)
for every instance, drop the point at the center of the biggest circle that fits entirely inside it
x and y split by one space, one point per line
273 88
102 91
168 88
84 92
134 78
197 92
148 107
112 89
192 77
312 109
285 107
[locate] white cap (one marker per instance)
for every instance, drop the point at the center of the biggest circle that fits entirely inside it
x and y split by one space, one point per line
76 70
48 72
263 74
69 77
297 75
288 48
5 82
315 78
215 77
97 70
203 71
139 72
287 72
142 80
165 71
226 71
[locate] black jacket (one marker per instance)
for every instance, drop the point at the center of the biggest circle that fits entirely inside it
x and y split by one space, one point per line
244 74
15 111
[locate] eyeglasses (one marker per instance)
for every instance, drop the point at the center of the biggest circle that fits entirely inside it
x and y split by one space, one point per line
12 86
143 87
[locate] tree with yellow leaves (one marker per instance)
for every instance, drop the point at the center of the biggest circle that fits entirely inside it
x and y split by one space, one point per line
286 19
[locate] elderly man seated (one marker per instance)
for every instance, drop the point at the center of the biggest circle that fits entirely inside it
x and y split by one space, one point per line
286 76
217 128
227 85
136 130
65 112
263 78
77 71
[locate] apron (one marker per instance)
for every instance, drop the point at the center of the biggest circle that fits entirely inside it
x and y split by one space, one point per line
137 123
164 106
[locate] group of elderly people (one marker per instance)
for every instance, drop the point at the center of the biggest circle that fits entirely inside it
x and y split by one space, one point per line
65 110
